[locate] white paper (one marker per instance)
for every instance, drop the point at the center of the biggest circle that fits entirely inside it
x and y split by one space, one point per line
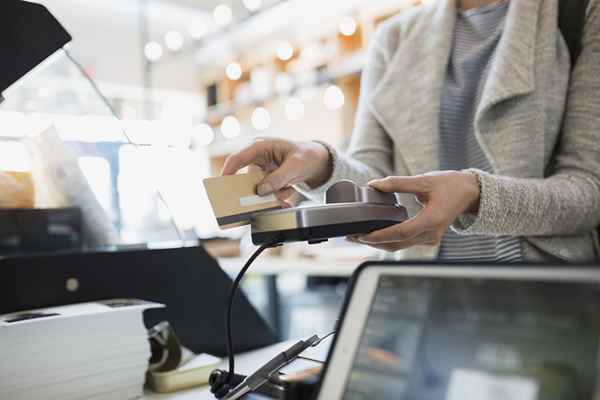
77 310
249 201
468 384
60 182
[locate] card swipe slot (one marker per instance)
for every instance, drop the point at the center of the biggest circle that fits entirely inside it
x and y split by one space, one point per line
232 219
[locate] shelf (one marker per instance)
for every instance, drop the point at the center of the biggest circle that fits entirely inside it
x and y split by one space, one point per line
350 65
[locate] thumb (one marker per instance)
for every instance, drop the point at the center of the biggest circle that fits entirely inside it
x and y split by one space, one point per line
402 184
280 178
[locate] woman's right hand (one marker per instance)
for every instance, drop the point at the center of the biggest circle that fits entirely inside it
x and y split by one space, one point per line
286 163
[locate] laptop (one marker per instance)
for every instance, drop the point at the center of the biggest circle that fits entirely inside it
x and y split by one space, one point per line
481 332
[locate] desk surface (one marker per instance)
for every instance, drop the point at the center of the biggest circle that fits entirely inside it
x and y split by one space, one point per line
245 363
271 265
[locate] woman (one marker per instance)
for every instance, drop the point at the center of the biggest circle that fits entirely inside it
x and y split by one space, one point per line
480 92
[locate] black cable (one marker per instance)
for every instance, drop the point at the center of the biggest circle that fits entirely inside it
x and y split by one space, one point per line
231 297
318 342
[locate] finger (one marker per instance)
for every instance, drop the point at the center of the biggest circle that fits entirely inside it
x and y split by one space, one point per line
390 248
403 184
425 239
253 154
280 178
254 168
284 204
285 193
352 239
406 230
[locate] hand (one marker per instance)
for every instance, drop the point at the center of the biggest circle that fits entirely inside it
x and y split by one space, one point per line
286 163
445 196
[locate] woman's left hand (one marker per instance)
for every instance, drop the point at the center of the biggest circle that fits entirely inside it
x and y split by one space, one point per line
445 195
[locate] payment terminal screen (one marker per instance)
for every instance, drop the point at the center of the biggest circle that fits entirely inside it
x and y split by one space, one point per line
459 339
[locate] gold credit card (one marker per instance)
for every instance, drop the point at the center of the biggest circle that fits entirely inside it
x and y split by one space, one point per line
233 198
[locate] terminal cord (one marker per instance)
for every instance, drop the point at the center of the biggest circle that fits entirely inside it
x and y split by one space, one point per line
232 292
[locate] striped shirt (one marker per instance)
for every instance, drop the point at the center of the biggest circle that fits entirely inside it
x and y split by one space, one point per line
476 37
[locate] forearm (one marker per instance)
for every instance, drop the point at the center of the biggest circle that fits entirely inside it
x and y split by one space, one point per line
566 203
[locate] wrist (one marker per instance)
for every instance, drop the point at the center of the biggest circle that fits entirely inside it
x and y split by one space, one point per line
323 165
473 191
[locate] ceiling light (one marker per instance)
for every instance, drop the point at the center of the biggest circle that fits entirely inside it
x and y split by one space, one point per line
285 51
153 51
223 15
174 40
230 127
261 119
333 97
347 26
203 135
294 109
233 71
253 5
197 30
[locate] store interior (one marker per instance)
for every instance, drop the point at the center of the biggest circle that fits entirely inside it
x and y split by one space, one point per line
425 227
191 82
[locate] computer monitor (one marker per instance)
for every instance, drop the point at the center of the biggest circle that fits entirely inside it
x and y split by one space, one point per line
481 332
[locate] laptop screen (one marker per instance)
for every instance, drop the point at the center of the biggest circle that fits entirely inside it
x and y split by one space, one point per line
457 339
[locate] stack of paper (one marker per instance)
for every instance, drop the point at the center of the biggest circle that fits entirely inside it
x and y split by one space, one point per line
91 350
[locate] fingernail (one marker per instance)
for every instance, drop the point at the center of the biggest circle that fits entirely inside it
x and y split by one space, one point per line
264 189
362 239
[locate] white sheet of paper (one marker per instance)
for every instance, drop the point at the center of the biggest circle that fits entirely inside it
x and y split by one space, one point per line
249 201
468 384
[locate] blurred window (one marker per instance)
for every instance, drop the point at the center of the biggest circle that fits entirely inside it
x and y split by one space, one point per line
97 172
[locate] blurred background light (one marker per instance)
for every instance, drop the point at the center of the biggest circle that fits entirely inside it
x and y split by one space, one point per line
223 15
334 98
294 109
283 83
230 127
253 5
261 119
14 156
13 124
261 82
197 30
202 135
233 71
88 128
174 40
285 51
347 26
153 51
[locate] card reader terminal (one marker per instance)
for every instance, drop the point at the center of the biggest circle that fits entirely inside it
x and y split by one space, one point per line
349 209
